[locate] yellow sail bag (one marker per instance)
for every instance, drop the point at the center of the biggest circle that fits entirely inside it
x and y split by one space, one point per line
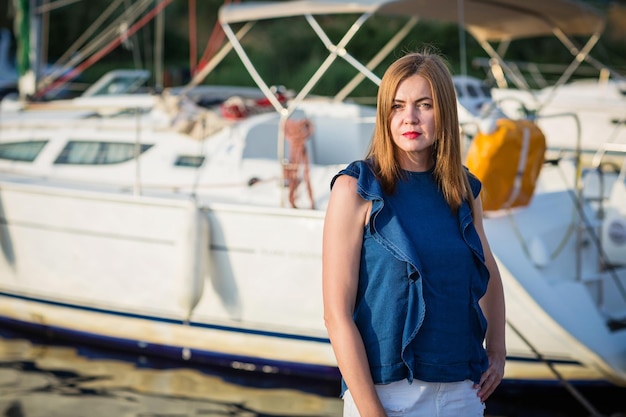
508 162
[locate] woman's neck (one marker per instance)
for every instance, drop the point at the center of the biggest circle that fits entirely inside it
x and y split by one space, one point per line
417 161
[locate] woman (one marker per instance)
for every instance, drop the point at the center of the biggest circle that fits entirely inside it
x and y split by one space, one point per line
409 280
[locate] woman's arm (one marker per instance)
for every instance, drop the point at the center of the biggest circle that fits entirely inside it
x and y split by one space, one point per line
346 217
492 305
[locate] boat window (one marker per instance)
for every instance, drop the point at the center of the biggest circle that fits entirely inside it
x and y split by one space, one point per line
22 151
97 153
261 142
118 82
192 161
471 89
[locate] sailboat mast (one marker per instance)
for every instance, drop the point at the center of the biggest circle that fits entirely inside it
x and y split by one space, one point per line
22 35
28 33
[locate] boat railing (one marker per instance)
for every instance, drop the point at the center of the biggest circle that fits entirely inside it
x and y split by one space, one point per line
616 151
538 75
608 167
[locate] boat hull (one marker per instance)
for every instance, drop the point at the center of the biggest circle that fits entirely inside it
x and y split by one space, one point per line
207 282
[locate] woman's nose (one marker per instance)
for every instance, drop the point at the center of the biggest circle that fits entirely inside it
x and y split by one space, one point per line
411 117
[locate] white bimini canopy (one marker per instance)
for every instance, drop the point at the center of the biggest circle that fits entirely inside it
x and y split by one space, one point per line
487 20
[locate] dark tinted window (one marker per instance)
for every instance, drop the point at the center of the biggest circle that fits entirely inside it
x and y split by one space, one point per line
22 151
471 90
98 153
192 161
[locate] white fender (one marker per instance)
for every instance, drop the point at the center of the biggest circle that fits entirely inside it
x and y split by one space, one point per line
194 258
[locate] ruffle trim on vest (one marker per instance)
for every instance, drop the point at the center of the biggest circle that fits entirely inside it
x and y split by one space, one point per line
383 225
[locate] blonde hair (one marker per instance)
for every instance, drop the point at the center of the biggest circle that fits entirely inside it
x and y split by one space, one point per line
449 171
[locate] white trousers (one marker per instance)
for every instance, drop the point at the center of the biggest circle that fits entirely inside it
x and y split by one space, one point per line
424 399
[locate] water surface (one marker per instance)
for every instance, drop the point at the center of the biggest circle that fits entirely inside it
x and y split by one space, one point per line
39 379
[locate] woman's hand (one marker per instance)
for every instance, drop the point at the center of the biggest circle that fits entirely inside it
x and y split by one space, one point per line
492 377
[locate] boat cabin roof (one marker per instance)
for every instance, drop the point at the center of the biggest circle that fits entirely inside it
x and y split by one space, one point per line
487 20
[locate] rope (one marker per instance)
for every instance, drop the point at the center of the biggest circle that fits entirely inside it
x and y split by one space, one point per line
215 40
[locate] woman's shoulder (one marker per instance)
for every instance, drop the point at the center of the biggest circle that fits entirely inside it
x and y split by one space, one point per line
361 173
359 170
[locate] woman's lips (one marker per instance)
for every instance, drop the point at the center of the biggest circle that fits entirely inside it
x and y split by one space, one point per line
411 135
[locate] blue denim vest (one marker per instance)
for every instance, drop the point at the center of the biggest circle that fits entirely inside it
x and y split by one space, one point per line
390 307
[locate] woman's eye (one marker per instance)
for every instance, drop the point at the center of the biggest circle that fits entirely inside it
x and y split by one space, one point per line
424 105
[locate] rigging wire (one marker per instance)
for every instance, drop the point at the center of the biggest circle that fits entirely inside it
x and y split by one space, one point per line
130 41
48 7
158 50
70 52
102 52
193 38
108 35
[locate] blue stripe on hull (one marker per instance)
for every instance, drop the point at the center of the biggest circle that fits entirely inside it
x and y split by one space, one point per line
166 320
176 353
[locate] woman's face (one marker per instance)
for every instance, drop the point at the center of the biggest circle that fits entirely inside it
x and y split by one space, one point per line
412 123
